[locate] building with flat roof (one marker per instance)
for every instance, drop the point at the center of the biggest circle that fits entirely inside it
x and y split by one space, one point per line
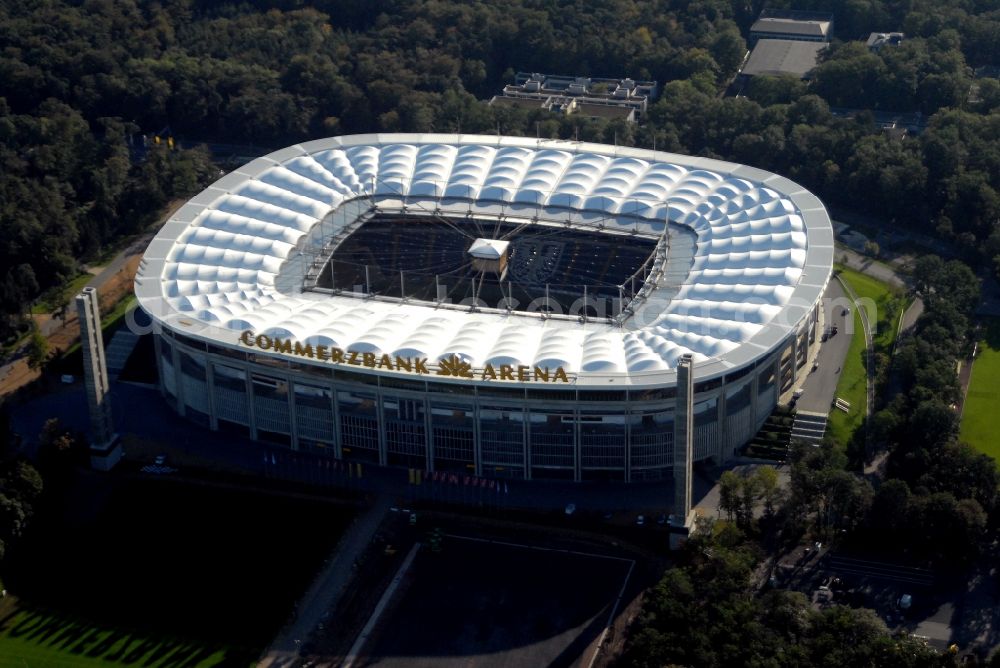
877 40
503 306
592 97
792 25
776 57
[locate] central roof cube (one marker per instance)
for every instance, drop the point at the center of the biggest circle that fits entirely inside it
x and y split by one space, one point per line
489 255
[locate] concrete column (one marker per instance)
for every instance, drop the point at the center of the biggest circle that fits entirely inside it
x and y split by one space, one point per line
723 442
213 419
383 443
158 351
795 356
429 431
175 359
251 404
577 445
683 441
526 426
338 441
477 441
105 449
628 445
293 426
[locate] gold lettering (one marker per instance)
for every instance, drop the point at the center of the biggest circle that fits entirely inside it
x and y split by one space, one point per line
398 363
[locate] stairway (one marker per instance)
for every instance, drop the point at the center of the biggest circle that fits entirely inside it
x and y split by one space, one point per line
771 442
809 427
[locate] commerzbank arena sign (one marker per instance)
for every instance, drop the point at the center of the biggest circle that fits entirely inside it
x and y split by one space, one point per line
454 366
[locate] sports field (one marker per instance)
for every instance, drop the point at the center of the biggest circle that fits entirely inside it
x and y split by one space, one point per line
159 574
478 604
981 415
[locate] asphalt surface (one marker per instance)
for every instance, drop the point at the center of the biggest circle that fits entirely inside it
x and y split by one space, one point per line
820 387
327 587
870 267
496 606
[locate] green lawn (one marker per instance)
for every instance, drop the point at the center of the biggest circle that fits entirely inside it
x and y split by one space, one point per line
883 313
981 415
160 574
888 304
55 298
33 637
851 387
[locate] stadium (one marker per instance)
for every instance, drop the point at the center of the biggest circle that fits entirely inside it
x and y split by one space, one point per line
506 306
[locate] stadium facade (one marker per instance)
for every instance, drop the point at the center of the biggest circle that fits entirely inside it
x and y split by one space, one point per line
505 306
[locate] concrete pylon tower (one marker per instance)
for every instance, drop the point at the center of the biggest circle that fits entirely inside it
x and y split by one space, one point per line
683 518
105 449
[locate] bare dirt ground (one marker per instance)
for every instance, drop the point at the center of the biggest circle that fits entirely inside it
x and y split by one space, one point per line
113 282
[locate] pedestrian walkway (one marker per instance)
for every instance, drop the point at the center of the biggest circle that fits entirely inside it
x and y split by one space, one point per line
328 586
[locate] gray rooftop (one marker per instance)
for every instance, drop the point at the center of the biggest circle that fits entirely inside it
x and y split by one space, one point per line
783 56
811 28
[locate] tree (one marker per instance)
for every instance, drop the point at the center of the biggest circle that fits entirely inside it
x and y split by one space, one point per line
947 530
38 349
768 488
890 509
730 486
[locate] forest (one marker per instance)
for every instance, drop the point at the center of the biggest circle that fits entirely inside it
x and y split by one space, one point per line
87 85
84 82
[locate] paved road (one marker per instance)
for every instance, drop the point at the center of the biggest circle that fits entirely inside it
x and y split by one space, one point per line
913 311
820 387
866 265
328 586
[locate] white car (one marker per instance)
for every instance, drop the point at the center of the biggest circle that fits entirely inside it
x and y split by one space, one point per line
160 460
570 508
640 520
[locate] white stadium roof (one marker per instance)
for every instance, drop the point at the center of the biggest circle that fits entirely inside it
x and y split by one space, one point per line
230 260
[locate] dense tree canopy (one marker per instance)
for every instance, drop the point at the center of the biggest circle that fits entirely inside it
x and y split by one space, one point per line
83 79
705 612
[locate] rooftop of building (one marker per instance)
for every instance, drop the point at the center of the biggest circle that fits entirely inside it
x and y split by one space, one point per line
810 28
775 57
750 254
